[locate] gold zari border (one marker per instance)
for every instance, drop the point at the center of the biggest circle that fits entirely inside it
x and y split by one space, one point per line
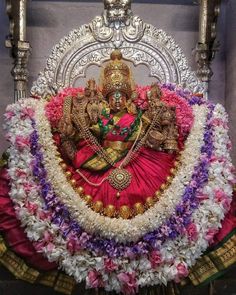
16 265
214 262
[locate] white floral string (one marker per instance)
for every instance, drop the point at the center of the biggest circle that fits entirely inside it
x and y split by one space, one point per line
175 256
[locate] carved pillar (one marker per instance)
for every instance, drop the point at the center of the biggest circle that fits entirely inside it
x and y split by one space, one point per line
16 40
206 47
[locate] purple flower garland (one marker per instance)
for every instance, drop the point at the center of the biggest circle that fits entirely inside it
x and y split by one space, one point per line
175 226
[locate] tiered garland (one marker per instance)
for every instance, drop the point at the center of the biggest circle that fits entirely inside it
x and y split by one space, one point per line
153 248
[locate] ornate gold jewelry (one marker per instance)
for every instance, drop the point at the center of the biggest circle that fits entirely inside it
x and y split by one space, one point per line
139 208
125 212
119 179
116 76
88 199
98 206
110 211
80 190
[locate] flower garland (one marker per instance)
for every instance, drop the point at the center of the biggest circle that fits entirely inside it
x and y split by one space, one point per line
107 245
121 230
161 255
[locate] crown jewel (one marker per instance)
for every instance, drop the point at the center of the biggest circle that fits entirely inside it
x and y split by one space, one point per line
116 75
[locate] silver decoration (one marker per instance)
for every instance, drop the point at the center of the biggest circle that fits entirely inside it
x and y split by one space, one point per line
92 44
117 13
20 48
207 46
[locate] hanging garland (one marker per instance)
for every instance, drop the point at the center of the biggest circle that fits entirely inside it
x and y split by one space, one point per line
118 254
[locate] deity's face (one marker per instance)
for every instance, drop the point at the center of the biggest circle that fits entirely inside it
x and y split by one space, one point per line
117 101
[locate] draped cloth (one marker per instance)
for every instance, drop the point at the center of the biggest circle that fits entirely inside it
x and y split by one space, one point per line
149 170
12 231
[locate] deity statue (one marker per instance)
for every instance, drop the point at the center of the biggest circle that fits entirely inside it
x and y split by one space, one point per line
112 144
120 186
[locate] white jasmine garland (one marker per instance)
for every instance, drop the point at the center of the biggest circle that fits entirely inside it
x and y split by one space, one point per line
120 229
181 250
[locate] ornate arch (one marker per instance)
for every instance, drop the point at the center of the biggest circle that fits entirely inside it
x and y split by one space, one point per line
92 43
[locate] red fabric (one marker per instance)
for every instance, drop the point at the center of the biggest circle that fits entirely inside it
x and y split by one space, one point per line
149 170
14 234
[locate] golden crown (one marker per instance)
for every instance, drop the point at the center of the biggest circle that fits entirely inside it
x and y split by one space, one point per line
116 76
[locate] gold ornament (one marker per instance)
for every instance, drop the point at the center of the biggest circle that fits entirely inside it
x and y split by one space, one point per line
169 179
157 195
172 170
98 206
59 159
119 178
80 190
88 199
150 202
116 76
68 174
110 211
63 166
73 182
138 207
125 212
176 163
163 187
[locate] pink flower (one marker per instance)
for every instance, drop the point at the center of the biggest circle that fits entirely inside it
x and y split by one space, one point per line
32 208
210 235
109 265
142 101
50 246
47 236
222 198
8 115
43 215
46 242
83 239
39 246
155 258
182 272
128 282
202 197
54 108
27 112
192 232
217 122
20 173
27 187
94 279
22 142
72 245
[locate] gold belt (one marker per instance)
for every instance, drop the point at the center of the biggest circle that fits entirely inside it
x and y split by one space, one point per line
117 145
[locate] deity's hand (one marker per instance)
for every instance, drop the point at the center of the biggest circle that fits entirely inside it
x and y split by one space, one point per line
65 127
155 139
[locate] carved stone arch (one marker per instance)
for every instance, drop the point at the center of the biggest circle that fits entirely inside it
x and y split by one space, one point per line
91 44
